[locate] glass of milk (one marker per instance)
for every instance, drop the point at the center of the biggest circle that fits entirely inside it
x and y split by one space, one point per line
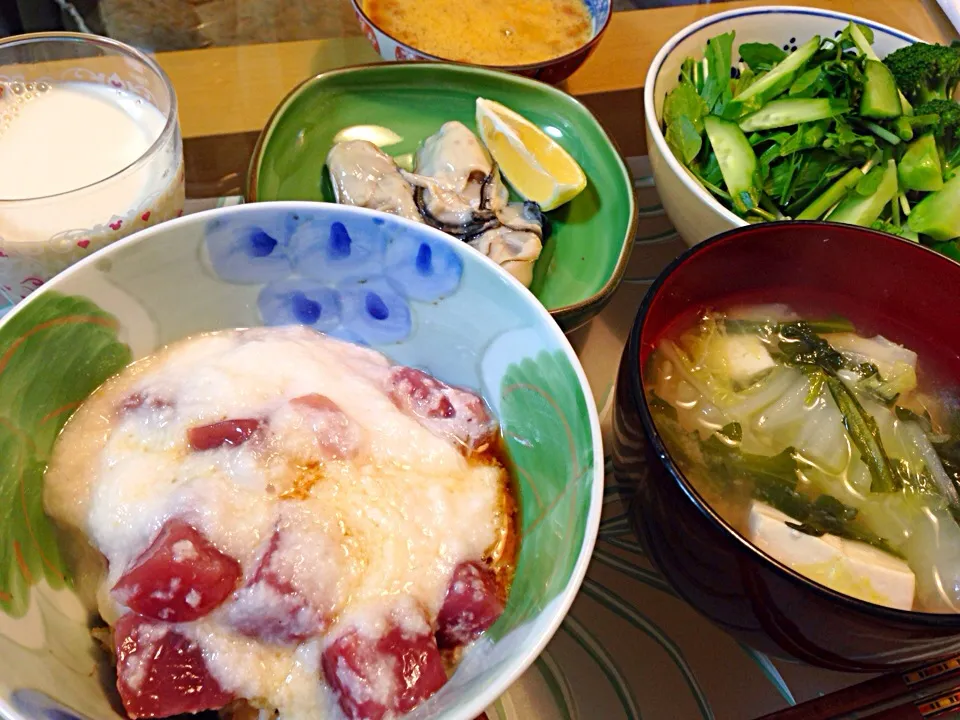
90 151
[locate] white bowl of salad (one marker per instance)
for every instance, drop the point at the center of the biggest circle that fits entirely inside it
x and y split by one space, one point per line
817 115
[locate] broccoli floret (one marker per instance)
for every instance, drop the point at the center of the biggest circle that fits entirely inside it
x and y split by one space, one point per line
948 117
946 129
925 72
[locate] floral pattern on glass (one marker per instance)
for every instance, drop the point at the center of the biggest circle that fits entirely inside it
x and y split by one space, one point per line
354 280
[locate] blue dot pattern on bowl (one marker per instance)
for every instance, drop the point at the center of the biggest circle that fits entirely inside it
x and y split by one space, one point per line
598 9
355 282
39 706
789 45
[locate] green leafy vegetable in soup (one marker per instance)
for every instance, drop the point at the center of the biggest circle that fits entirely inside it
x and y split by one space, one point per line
817 444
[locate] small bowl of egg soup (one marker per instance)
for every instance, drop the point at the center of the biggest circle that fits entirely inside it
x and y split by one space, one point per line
544 39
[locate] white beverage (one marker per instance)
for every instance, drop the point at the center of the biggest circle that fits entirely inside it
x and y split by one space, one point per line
62 146
73 135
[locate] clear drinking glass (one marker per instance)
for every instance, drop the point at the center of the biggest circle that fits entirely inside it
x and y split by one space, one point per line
90 151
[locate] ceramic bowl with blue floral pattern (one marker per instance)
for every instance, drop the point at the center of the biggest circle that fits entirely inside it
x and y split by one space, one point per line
410 291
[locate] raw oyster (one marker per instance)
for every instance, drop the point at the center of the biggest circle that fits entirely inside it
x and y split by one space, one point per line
444 208
517 242
458 189
453 176
365 176
455 157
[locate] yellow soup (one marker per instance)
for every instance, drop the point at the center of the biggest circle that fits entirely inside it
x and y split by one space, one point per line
504 32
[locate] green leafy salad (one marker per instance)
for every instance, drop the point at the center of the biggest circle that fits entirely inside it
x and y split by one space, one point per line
828 131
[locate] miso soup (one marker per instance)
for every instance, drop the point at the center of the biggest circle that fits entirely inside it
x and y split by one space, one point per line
833 450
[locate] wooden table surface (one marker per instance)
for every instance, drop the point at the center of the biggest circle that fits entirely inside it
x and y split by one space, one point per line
226 94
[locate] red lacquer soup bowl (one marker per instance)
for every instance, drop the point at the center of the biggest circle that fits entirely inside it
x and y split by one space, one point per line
883 284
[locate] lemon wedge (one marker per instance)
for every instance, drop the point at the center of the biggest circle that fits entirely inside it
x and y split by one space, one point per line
534 164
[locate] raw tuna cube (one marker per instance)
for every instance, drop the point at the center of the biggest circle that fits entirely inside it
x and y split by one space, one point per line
139 400
316 401
382 677
471 605
417 665
271 609
161 673
321 426
446 411
226 432
179 578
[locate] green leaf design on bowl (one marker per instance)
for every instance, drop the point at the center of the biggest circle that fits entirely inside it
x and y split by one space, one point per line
547 428
77 344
